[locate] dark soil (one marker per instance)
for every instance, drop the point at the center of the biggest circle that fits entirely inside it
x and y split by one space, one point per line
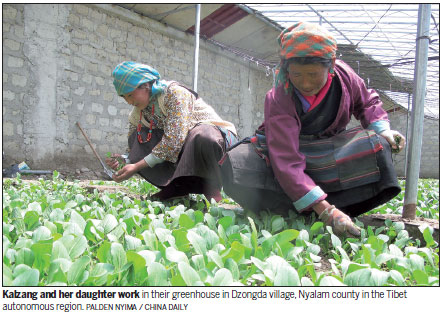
412 226
71 175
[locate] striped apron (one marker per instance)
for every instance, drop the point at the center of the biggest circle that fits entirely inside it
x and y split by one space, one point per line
340 165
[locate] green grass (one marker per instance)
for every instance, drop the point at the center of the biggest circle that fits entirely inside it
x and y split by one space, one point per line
57 233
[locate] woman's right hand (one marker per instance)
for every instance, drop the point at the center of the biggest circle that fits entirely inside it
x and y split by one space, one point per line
113 162
341 224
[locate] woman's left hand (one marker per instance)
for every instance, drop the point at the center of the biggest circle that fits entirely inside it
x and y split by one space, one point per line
125 173
391 136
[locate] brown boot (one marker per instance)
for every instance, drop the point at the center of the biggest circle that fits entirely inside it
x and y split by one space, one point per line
212 192
168 192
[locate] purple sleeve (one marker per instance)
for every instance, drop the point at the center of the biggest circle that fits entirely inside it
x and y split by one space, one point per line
366 104
282 129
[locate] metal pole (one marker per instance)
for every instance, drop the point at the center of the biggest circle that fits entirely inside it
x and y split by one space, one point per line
414 150
196 46
407 134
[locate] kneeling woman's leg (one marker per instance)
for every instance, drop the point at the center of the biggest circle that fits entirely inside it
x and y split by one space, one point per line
256 199
249 181
196 171
159 175
199 158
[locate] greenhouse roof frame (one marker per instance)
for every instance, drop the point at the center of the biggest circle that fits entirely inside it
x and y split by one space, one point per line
365 27
360 29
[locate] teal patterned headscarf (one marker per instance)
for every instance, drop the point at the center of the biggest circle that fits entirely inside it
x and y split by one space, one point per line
129 75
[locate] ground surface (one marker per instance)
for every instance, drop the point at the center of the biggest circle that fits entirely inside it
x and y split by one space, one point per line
72 174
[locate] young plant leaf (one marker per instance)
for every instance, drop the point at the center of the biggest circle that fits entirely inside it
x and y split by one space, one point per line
306 282
181 240
30 277
216 258
186 222
109 223
157 275
416 262
76 273
118 256
277 224
197 242
76 247
397 277
173 255
329 281
42 254
420 277
189 275
149 256
59 251
31 220
232 266
139 264
222 277
225 221
132 243
236 252
41 234
25 256
78 219
57 270
286 276
104 252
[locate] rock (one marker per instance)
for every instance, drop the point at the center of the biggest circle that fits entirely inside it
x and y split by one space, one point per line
77 171
85 169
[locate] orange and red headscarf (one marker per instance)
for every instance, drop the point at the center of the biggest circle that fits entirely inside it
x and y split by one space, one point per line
304 40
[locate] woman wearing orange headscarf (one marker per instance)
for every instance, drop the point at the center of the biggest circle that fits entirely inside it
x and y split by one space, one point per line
318 164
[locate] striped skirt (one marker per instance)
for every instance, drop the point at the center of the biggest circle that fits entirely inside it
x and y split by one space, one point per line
354 168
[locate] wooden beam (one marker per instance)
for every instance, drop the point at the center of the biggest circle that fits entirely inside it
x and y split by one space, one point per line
412 226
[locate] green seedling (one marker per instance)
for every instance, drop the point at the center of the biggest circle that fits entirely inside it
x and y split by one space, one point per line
121 163
397 142
57 233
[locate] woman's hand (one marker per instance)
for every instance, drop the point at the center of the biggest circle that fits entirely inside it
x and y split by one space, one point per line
340 222
393 136
125 173
113 161
129 170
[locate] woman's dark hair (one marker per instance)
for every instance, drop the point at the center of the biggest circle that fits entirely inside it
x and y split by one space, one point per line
145 85
308 60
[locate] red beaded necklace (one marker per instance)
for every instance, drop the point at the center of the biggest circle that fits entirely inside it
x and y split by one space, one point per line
139 126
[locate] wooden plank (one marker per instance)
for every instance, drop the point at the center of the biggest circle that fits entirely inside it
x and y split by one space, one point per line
412 226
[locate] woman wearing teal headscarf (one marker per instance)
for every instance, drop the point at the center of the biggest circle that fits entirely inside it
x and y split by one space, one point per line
175 138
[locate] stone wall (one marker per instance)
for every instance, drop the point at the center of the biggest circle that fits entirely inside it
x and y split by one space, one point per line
430 153
57 65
